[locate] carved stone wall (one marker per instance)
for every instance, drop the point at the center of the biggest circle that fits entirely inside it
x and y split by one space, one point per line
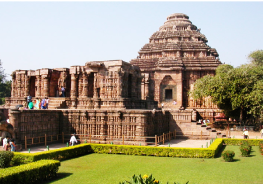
110 124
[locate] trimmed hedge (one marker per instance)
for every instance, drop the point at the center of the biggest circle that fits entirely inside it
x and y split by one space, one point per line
86 148
238 142
160 151
57 154
30 173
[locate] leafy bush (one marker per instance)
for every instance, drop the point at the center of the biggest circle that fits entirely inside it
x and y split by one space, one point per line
228 155
5 158
245 148
261 147
145 179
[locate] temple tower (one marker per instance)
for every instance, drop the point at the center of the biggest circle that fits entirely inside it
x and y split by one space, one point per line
174 58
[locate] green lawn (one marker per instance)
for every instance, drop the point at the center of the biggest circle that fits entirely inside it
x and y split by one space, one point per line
111 169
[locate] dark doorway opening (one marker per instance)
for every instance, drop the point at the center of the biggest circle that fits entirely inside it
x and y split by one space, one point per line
91 85
130 86
168 94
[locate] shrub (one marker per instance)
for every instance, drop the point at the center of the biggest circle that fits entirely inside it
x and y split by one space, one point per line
245 148
260 145
228 155
5 158
145 179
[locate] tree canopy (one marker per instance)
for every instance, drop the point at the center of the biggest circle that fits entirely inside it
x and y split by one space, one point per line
5 85
237 91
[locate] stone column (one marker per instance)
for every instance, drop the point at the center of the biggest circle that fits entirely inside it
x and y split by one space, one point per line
27 85
13 90
38 82
46 85
73 90
180 90
14 121
18 85
85 85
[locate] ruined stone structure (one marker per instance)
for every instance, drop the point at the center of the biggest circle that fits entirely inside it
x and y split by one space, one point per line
100 95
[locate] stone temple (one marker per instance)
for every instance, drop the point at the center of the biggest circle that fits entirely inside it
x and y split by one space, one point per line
116 98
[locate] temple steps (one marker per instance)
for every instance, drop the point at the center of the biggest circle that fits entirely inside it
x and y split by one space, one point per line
57 103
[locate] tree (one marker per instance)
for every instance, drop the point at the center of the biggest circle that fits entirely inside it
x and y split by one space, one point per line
256 57
5 85
237 91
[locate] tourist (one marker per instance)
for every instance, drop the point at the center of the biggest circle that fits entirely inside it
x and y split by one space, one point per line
63 91
245 133
43 104
12 144
204 122
30 105
36 106
174 102
5 143
162 105
47 100
261 132
73 140
29 99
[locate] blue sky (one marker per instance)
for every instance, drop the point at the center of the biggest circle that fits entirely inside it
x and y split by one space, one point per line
36 35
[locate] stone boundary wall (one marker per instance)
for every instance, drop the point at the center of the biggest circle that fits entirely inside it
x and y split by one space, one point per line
114 123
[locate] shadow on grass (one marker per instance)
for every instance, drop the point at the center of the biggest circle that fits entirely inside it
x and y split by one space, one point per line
59 177
218 155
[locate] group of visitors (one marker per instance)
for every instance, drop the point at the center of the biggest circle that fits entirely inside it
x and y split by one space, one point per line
7 142
37 103
204 122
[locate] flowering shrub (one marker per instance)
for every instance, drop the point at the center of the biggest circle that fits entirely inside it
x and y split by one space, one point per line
261 147
228 155
245 149
145 179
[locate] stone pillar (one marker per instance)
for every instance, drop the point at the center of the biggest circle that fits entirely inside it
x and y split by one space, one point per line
46 86
180 90
38 82
73 90
85 85
13 90
27 85
18 85
14 121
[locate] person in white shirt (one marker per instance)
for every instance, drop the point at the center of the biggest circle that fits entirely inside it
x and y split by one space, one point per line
5 143
245 134
73 140
261 132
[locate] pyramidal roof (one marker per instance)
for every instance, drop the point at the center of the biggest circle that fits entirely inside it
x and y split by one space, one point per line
177 45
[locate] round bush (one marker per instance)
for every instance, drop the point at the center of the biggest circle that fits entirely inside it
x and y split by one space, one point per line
228 155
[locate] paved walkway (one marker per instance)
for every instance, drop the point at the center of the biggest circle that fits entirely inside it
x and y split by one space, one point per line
173 143
182 143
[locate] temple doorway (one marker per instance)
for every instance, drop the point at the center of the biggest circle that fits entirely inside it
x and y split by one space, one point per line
91 85
167 89
32 89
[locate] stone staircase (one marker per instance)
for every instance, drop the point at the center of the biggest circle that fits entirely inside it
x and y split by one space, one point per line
194 130
57 103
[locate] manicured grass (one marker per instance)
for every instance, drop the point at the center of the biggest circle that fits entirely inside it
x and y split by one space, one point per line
111 169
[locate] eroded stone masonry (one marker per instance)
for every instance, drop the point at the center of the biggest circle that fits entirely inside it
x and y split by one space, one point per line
100 95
